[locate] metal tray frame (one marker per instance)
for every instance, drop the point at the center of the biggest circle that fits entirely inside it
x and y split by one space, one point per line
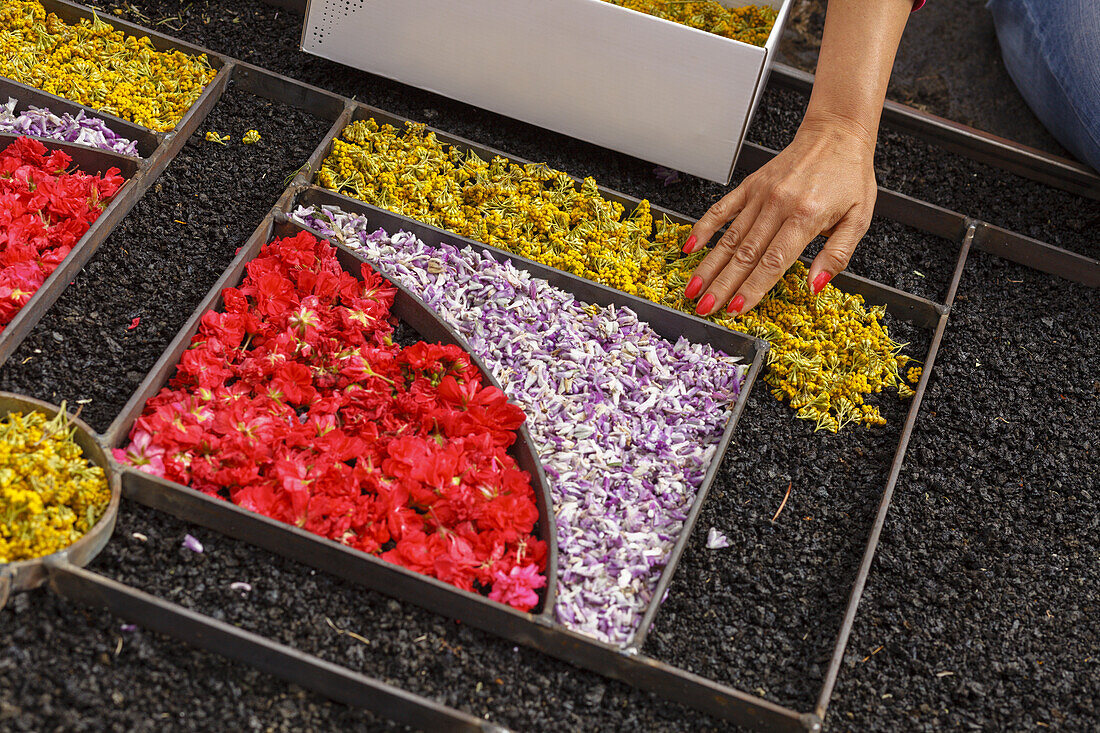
630 666
667 323
89 160
969 142
408 308
27 574
27 96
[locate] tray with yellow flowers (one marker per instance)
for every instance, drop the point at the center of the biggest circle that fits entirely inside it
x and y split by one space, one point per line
59 496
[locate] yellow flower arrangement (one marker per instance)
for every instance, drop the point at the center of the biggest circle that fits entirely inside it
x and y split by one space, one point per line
828 352
91 63
50 494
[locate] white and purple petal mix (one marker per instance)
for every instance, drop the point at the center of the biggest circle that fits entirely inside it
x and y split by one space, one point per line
82 129
625 422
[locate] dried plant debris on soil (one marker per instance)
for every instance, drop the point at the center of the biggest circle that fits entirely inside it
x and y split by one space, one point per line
160 262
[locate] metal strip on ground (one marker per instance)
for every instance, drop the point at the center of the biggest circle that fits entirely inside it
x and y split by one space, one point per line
313 673
884 505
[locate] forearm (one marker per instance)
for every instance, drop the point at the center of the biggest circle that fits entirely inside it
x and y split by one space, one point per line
857 52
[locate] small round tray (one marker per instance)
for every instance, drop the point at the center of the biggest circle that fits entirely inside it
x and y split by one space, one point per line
27 574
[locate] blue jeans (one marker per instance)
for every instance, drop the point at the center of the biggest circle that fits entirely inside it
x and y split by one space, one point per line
1052 51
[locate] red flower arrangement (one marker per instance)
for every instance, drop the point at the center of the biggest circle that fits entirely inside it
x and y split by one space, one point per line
44 211
294 402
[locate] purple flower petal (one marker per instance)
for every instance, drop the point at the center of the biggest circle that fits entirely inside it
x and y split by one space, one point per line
716 540
624 422
192 544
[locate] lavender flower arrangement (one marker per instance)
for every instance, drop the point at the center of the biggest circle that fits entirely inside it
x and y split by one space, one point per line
82 129
625 423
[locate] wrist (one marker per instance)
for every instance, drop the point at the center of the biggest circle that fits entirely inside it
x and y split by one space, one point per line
840 128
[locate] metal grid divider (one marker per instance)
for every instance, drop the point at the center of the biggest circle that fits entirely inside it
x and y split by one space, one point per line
969 142
1037 255
666 322
169 145
748 709
28 96
539 632
949 224
944 222
650 674
862 574
311 672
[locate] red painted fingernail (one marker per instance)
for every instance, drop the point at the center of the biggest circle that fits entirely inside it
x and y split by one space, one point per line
736 305
705 304
689 245
821 281
693 287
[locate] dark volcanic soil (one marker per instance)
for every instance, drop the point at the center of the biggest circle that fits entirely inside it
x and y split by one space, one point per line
415 649
949 63
777 594
987 568
904 163
65 667
162 259
985 594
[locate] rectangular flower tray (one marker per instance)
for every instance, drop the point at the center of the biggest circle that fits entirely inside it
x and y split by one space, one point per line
26 96
538 630
669 324
906 306
73 13
89 160
407 308
413 312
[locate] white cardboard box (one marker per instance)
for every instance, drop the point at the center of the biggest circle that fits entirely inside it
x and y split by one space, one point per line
657 90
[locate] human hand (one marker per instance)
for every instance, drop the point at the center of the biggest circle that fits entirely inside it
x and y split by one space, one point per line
822 183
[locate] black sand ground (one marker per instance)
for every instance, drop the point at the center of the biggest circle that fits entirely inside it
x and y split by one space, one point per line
994 524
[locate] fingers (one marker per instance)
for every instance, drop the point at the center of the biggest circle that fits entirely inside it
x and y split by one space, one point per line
834 256
735 256
717 216
723 251
774 263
